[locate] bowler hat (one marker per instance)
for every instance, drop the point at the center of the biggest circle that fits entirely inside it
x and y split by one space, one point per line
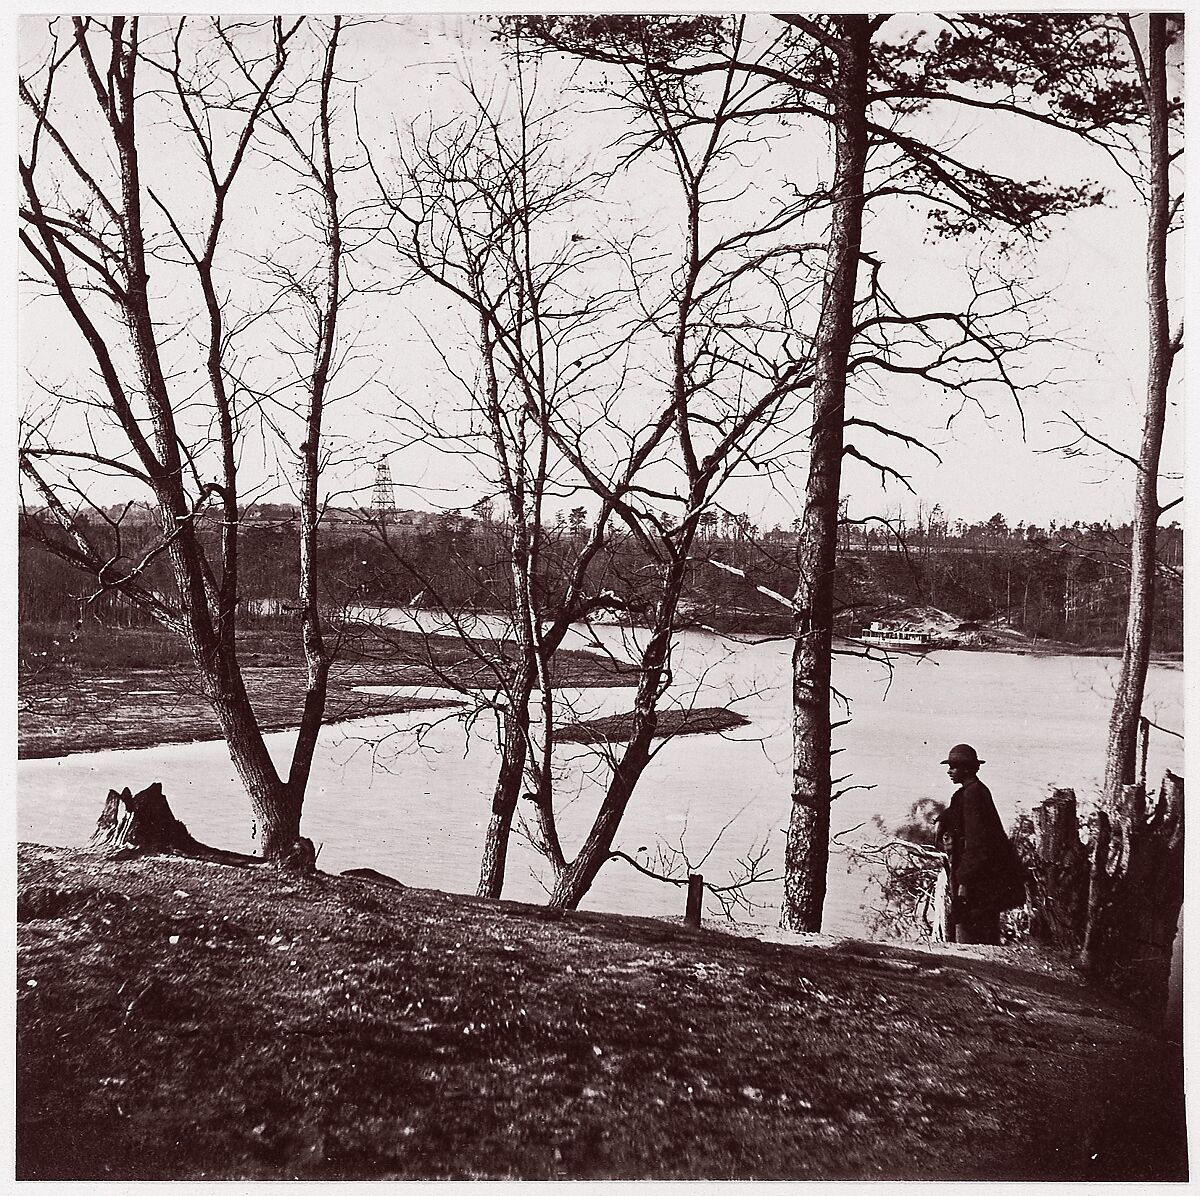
963 753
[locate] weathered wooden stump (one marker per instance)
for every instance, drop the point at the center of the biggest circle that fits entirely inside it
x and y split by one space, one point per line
1136 893
142 823
1060 873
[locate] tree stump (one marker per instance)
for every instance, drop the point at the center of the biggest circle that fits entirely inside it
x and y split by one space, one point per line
1060 873
1136 893
142 823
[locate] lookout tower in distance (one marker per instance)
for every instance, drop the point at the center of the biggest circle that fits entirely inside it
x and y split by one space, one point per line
383 495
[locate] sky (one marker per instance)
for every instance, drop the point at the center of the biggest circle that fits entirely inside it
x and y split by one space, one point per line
1090 266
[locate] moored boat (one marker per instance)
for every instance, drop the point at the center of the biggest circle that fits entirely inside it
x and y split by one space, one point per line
903 636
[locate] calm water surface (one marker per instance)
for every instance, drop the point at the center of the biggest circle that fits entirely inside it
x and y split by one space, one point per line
409 794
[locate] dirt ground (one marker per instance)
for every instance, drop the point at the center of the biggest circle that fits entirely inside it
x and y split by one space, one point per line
184 1020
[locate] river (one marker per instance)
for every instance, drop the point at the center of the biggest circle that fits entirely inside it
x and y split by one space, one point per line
409 794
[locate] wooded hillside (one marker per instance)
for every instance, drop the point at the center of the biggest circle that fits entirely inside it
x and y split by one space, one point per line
1066 583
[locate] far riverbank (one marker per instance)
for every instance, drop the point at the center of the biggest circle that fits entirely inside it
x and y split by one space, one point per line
134 687
113 688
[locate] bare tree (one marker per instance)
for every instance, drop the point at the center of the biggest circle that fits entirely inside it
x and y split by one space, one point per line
138 140
735 371
1148 51
654 444
480 209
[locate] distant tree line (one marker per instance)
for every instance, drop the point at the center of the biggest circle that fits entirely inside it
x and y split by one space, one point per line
1065 582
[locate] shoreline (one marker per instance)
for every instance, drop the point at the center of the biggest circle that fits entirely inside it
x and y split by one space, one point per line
134 741
610 729
140 708
99 703
1014 645
147 708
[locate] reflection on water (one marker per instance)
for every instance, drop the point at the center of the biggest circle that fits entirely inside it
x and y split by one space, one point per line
410 794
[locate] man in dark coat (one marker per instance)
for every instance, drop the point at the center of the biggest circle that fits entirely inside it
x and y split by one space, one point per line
981 857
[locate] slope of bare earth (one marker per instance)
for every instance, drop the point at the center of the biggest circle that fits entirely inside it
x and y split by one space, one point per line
185 1020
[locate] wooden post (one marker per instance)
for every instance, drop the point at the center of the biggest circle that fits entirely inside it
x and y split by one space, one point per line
943 915
695 900
1097 890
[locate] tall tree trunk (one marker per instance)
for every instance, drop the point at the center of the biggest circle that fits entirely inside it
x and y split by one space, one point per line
317 658
807 854
513 752
522 549
576 878
1120 765
275 806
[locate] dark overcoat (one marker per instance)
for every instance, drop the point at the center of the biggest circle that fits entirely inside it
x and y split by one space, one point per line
981 857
